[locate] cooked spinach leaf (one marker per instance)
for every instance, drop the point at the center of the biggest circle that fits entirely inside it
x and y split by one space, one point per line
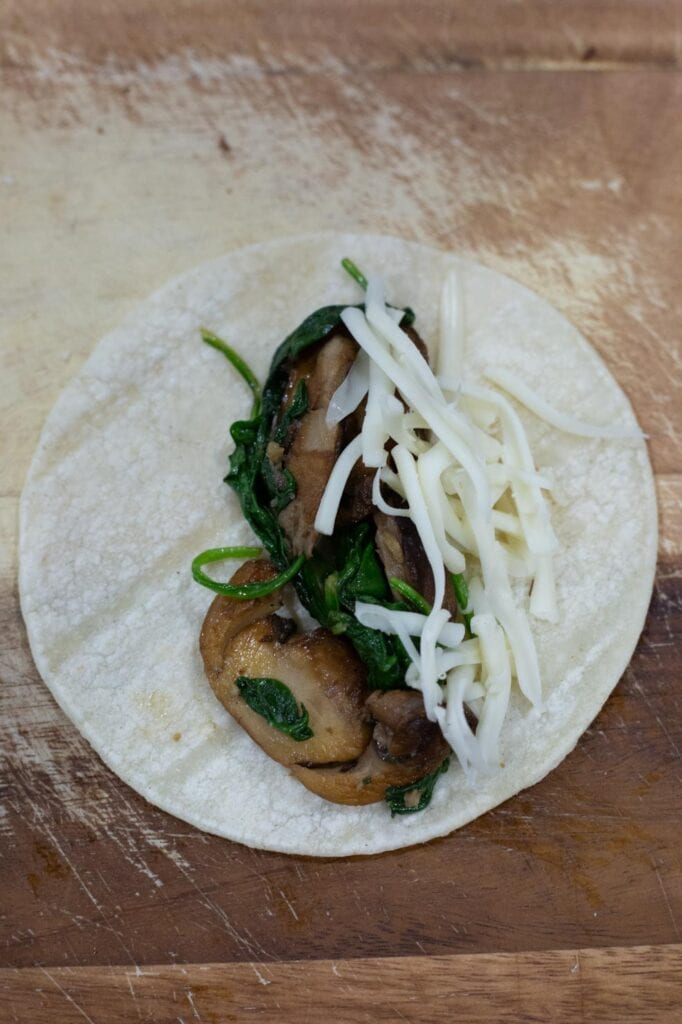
280 485
329 585
384 656
296 408
416 796
361 574
313 329
277 705
277 479
246 480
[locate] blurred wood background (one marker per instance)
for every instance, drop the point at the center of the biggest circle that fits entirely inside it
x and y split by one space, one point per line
541 138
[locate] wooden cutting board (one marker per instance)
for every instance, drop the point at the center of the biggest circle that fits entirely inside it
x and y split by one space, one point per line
138 139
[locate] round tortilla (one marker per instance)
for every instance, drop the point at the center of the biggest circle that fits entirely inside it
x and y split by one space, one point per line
125 488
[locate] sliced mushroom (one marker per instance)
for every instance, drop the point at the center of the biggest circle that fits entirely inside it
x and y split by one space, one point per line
356 503
361 743
226 616
402 555
322 672
402 729
313 447
405 747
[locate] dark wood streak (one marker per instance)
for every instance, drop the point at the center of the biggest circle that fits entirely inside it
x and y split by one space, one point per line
386 36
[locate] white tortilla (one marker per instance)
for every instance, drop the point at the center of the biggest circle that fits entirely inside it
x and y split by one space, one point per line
125 488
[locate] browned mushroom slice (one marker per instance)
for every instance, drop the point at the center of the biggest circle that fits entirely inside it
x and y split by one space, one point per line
226 616
313 447
356 503
405 747
402 555
324 676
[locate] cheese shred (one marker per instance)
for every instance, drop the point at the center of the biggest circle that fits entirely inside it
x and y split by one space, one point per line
461 464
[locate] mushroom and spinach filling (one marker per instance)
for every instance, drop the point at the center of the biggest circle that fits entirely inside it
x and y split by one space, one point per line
403 505
329 703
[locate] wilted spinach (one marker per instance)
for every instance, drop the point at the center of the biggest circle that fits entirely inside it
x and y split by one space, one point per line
329 585
361 575
277 705
296 408
423 789
261 491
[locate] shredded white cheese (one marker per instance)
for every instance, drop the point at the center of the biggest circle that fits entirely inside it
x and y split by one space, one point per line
561 420
336 485
350 392
378 500
461 462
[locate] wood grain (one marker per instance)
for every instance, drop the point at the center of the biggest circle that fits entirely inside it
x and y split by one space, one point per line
604 986
304 36
133 146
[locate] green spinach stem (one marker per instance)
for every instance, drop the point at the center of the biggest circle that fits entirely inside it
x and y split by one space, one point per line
354 272
459 585
412 595
242 368
245 591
